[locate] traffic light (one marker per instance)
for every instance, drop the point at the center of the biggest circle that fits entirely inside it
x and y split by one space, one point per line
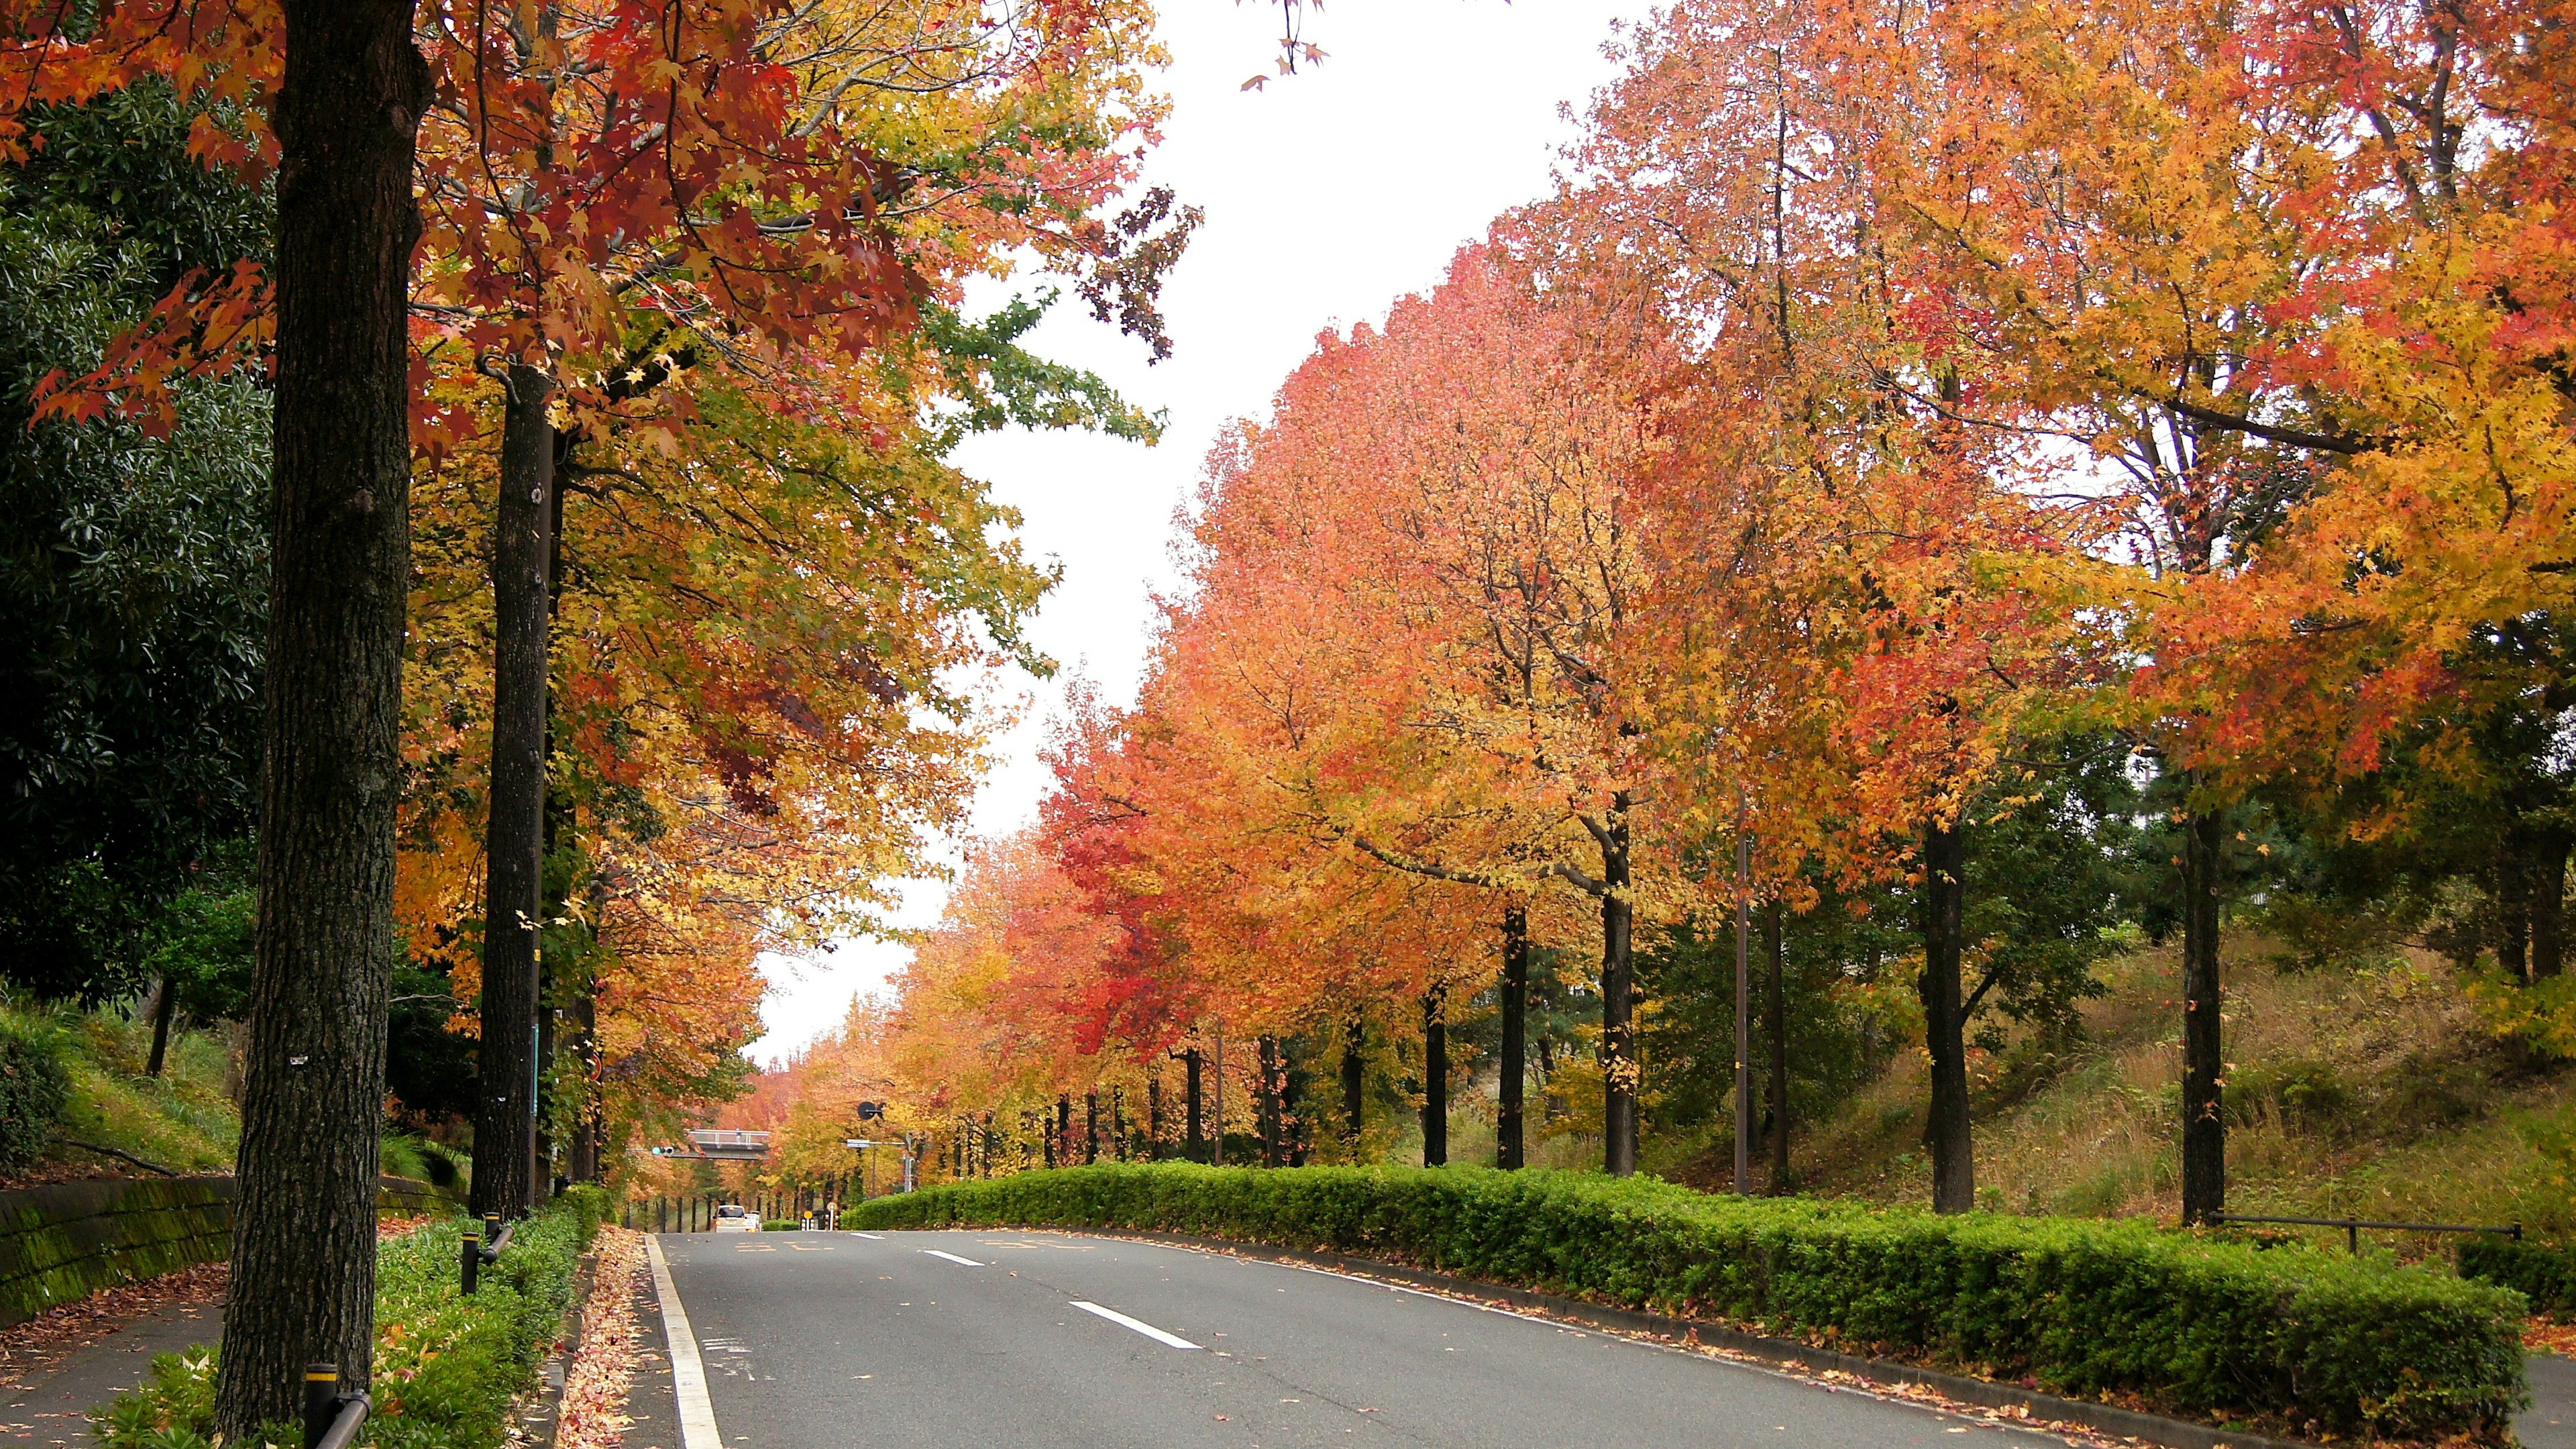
871 1111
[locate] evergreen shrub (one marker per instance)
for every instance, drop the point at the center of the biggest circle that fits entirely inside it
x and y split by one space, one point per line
2183 1322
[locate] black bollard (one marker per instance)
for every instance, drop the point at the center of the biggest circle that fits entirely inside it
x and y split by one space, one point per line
321 1400
471 1266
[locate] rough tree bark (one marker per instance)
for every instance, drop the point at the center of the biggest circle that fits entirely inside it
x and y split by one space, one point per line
2204 1122
1775 947
1435 1077
1090 1127
1274 1146
508 1171
584 1166
304 1241
1618 1027
1354 1080
165 1006
2547 899
1194 1091
1154 1116
1509 1134
1946 1132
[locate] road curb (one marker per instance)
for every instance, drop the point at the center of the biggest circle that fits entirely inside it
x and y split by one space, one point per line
1983 1393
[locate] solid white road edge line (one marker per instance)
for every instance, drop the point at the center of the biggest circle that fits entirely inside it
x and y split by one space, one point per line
688 1375
952 1257
1123 1321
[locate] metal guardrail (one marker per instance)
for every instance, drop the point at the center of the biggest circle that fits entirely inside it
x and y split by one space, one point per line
332 1419
475 1254
2352 1226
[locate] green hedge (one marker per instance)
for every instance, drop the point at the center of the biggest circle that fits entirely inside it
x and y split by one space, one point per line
447 1367
34 1090
2545 1273
2085 1307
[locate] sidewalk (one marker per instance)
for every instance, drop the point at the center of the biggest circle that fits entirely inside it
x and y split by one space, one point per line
52 1408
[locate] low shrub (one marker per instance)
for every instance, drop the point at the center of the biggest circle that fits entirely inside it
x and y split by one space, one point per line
2545 1273
447 1367
2313 1340
34 1089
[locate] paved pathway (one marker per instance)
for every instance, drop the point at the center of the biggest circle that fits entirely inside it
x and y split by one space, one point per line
53 1407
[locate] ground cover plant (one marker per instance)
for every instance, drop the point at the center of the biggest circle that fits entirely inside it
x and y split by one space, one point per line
2289 1335
446 1368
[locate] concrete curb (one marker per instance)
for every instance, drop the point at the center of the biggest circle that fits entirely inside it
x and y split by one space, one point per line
1983 1393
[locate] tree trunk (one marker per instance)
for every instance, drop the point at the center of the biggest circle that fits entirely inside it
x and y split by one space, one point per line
1274 1146
1091 1127
1064 1129
1745 1128
1435 1077
508 1173
304 1239
1354 1080
165 1006
1118 1123
1946 1128
1154 1116
2513 910
1775 945
1618 1029
1195 1104
2204 1061
1508 1130
2548 898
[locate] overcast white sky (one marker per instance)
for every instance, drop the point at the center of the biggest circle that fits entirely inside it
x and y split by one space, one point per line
1328 195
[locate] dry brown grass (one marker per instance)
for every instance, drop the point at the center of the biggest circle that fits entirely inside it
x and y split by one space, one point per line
2371 1091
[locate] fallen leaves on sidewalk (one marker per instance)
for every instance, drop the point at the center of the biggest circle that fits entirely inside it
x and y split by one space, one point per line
40 1344
593 1415
2549 1335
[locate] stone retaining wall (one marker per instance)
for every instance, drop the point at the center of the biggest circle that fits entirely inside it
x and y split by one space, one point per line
65 1240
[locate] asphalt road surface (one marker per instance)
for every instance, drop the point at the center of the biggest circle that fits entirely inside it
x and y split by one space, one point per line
971 1340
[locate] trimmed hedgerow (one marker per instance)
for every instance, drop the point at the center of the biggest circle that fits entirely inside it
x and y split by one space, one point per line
447 1366
2545 1273
2085 1307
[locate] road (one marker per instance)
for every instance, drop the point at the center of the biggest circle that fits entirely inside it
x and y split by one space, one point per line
1061 1341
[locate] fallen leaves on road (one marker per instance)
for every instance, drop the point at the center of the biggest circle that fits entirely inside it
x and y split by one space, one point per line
593 1415
40 1344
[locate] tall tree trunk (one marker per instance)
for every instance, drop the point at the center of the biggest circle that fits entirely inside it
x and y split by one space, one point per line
165 1006
1273 1143
304 1239
1154 1116
1775 946
1435 1076
1618 1008
2548 897
2513 912
1354 1080
508 1173
1118 1123
1091 1127
1196 1105
1508 1131
1064 1129
1946 1131
1746 1129
2204 1060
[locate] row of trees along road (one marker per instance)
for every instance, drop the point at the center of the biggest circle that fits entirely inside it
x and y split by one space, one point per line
612 355
2008 469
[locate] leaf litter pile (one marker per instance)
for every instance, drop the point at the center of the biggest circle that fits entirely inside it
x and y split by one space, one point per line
596 1382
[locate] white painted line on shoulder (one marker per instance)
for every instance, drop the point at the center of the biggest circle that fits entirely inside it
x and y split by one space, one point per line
952 1257
688 1373
1123 1321
877 1237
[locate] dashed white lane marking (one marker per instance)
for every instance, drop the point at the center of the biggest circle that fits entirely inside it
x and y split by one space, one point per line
952 1257
1123 1321
878 1237
688 1373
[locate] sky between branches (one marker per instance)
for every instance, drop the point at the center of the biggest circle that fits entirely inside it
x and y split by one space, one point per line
1328 195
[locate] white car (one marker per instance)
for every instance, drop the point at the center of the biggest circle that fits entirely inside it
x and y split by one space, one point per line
735 1218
